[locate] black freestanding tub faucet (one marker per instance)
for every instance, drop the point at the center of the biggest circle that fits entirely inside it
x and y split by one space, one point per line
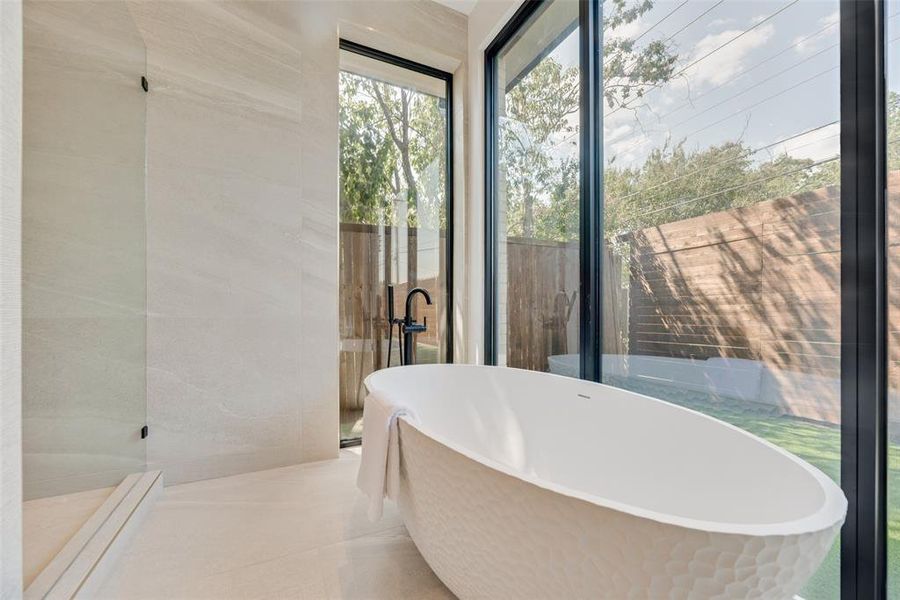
410 326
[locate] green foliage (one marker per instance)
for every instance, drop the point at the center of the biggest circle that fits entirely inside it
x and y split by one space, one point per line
537 141
629 72
392 151
539 134
674 184
367 157
392 154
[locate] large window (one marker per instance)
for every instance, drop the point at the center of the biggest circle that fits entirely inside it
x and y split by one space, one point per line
535 103
395 207
722 213
689 198
892 121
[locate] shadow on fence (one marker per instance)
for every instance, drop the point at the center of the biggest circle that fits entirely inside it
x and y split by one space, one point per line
750 292
758 284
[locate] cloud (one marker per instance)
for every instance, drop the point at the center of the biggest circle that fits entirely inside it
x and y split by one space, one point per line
810 43
716 23
723 64
628 31
617 133
816 145
631 150
832 19
629 143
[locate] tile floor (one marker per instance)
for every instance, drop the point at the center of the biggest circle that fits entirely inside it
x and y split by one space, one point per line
48 523
294 532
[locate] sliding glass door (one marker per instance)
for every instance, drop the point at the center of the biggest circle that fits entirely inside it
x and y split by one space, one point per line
664 213
395 229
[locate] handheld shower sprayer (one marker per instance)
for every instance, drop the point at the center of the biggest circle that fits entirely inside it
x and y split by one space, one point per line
392 322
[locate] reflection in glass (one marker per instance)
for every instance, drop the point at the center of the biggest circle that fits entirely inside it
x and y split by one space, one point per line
537 106
393 230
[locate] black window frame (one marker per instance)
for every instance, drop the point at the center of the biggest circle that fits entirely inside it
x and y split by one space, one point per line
863 300
447 78
590 202
863 261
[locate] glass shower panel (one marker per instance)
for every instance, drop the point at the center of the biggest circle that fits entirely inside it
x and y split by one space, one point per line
536 103
722 217
393 219
83 247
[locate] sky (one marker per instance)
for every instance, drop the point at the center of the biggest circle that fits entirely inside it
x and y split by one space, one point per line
761 71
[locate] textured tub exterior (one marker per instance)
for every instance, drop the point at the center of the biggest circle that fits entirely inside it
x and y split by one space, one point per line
503 501
489 535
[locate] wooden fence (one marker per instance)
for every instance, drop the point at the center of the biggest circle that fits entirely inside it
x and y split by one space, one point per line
364 273
541 298
759 283
540 306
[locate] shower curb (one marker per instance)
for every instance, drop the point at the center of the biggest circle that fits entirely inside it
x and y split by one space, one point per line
79 569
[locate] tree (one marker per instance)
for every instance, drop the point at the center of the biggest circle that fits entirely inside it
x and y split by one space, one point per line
674 184
392 152
392 148
628 72
367 158
539 135
538 110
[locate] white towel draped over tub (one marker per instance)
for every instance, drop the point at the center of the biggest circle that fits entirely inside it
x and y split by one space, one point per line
379 469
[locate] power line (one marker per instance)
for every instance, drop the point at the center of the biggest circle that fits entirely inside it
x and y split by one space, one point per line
671 37
738 36
753 68
742 110
763 101
682 70
694 20
738 76
747 108
767 79
652 27
743 185
797 43
710 53
648 30
745 155
741 93
733 96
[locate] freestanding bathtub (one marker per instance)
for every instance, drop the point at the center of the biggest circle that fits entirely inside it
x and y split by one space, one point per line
516 484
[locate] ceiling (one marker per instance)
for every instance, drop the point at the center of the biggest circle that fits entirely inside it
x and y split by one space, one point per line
463 6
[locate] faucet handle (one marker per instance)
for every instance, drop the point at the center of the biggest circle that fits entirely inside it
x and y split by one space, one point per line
424 322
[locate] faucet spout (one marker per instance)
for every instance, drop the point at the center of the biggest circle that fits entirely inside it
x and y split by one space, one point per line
411 295
410 326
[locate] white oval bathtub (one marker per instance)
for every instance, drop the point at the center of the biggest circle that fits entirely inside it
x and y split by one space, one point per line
517 484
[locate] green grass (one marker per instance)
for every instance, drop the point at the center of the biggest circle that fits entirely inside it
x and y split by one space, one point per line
817 443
